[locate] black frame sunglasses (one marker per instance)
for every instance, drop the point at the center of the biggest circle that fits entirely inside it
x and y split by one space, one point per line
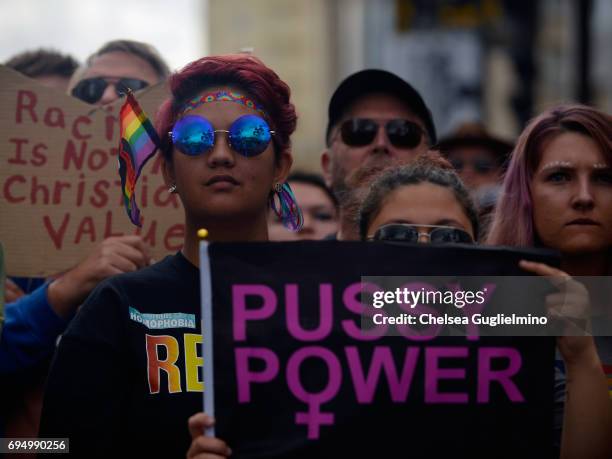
403 232
402 133
91 90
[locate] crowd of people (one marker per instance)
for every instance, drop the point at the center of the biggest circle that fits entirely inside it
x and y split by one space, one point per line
385 176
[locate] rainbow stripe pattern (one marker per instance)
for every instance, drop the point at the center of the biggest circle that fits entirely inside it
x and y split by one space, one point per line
139 142
223 96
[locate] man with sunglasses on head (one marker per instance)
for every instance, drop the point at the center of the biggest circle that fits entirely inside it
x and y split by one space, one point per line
374 118
117 66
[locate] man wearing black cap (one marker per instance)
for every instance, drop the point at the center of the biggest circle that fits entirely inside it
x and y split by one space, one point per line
375 119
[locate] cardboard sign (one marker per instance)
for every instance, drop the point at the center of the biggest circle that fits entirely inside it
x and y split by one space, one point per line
294 376
2 279
60 192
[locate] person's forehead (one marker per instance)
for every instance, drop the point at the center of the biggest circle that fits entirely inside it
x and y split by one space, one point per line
121 64
570 149
574 147
415 192
222 113
380 105
423 203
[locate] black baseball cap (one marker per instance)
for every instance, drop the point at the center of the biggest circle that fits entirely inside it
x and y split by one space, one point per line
375 80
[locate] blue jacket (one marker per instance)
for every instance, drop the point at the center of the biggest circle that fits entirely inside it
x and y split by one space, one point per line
29 332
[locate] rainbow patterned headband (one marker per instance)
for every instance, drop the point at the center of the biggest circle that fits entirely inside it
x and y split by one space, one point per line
223 96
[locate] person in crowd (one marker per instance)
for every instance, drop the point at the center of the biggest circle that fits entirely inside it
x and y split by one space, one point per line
117 66
373 116
225 141
557 193
480 159
426 202
33 322
49 67
477 156
319 209
38 310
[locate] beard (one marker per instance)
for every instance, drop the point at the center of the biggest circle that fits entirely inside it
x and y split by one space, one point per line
338 184
351 188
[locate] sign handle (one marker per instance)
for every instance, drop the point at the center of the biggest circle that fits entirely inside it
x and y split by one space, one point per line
207 334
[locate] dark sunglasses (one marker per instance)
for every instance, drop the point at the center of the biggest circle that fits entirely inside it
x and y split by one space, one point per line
479 165
91 90
248 135
359 132
401 232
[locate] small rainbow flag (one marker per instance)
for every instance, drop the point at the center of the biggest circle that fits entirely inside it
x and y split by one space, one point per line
139 142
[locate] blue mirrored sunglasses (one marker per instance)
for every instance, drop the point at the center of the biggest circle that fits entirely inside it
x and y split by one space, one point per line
248 135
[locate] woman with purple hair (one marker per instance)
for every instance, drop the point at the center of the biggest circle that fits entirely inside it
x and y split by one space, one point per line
557 194
426 202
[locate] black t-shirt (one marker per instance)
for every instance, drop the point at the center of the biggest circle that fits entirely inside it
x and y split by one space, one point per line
128 371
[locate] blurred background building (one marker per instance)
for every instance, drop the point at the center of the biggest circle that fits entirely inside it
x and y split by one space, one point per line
495 61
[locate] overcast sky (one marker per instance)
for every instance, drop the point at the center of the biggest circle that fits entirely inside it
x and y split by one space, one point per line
177 28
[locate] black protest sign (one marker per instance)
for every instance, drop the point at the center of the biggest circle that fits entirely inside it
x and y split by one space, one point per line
295 376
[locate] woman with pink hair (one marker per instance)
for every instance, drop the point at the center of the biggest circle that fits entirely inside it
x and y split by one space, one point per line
557 194
127 373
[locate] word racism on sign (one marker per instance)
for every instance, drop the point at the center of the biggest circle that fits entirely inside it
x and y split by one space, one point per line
60 192
295 376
